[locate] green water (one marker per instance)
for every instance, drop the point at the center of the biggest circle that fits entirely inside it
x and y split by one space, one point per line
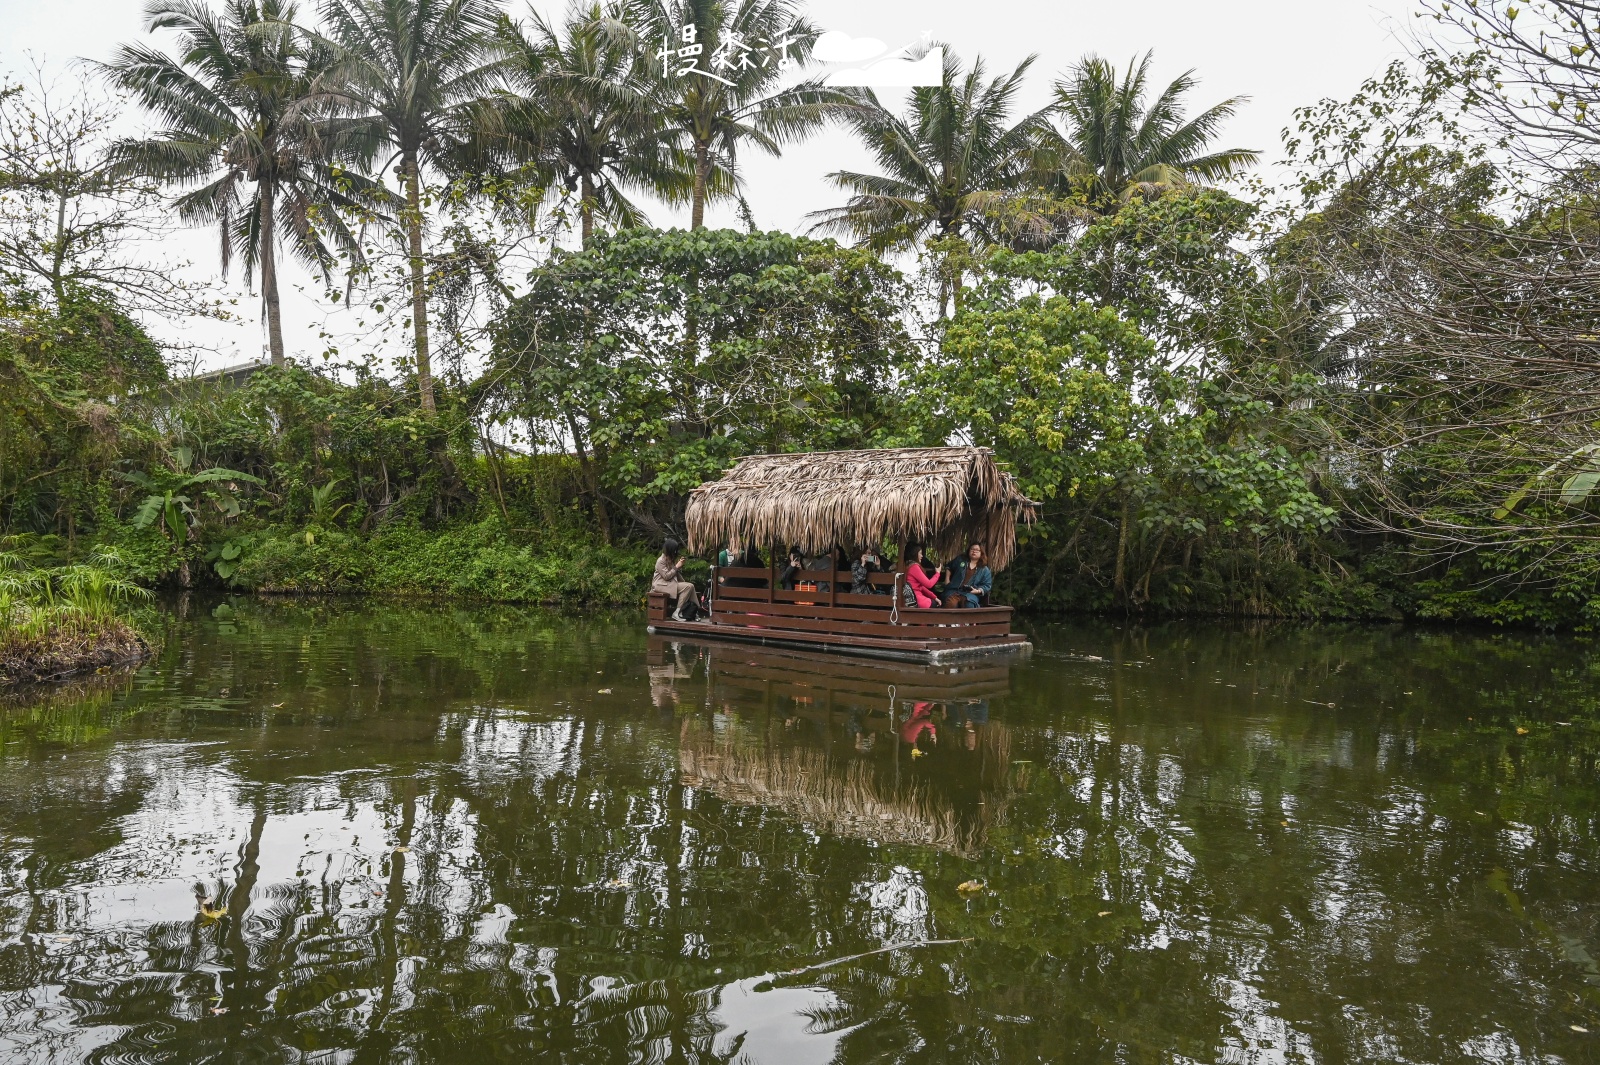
474 835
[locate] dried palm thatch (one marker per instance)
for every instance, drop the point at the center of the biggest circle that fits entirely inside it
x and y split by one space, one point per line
945 497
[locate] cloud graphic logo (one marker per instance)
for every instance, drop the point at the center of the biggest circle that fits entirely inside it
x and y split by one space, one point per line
836 46
899 71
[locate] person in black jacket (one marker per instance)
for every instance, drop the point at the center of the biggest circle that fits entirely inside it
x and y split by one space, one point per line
791 572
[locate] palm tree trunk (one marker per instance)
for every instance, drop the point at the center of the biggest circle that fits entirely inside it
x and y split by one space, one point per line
238 904
419 291
702 175
267 198
586 209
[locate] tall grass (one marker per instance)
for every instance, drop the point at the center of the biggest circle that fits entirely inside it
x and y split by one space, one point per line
58 618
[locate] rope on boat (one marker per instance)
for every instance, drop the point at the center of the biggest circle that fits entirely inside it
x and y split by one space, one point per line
894 607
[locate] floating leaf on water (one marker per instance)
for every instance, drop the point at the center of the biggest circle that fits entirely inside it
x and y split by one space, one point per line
970 887
1103 913
1579 1028
605 691
1521 731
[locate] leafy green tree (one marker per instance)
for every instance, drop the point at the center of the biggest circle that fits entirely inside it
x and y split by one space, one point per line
731 98
1130 377
408 76
71 374
1172 266
1052 385
1117 144
661 357
1098 428
585 115
240 107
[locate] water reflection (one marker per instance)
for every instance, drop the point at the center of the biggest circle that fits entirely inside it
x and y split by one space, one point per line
849 746
327 832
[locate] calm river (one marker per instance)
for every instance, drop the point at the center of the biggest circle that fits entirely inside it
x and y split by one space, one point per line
337 832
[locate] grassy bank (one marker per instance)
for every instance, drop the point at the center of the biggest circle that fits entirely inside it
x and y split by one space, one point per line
59 620
481 560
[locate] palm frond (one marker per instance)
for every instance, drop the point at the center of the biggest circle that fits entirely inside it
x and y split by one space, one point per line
1117 144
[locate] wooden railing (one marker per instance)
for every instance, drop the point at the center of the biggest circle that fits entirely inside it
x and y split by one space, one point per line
838 611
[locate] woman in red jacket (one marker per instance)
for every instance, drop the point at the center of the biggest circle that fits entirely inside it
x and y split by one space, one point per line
918 577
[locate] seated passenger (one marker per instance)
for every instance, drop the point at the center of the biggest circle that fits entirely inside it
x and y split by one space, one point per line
750 558
970 579
823 565
669 579
920 578
861 573
791 572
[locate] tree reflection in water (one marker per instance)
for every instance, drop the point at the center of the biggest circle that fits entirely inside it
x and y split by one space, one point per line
436 839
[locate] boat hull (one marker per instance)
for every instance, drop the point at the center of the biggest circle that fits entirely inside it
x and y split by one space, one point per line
830 620
933 652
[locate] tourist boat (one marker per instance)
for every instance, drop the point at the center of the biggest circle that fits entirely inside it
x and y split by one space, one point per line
943 497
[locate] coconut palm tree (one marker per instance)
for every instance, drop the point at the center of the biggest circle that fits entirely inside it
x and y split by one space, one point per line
239 106
953 156
410 76
950 165
583 115
1116 145
726 96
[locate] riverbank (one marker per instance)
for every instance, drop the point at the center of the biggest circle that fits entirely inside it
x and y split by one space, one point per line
484 561
72 645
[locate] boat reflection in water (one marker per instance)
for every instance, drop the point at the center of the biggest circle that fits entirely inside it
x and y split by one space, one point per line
899 753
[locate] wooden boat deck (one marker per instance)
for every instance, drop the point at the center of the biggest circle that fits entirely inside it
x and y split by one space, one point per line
827 618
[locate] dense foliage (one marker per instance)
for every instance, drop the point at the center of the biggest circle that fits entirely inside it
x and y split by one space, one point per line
1370 396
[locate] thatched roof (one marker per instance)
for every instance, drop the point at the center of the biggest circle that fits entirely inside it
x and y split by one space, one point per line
944 497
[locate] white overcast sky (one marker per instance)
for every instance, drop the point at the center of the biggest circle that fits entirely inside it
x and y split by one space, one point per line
1281 53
